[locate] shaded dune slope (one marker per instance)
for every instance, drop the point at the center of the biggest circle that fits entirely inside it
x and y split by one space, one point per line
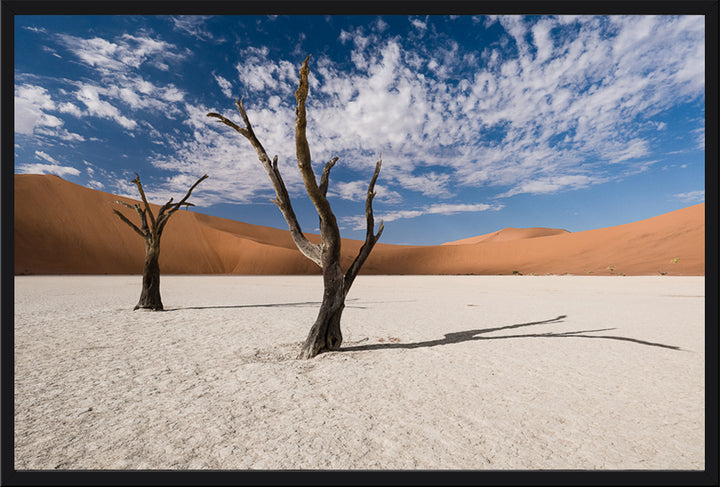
64 228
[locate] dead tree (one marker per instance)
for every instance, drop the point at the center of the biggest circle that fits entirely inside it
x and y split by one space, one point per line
325 334
151 232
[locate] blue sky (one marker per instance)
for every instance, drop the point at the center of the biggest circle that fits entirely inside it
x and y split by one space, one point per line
483 122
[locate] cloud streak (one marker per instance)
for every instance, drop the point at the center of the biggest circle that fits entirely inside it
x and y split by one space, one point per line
193 25
359 222
691 196
35 168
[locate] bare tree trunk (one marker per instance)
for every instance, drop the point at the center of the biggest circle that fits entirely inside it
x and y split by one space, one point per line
150 295
325 335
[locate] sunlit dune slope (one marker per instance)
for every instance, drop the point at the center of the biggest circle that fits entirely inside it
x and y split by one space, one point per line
509 233
63 228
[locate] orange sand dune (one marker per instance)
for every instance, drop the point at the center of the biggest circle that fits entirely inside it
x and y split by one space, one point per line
64 228
509 233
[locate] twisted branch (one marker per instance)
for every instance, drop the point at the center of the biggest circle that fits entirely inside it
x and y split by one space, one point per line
145 201
163 217
324 179
370 238
282 200
331 237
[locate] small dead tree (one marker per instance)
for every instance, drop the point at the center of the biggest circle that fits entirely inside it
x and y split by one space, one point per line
325 334
151 233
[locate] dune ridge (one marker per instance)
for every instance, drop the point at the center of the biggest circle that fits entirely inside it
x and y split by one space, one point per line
64 228
509 233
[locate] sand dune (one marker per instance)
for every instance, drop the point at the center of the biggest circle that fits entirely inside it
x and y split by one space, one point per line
509 233
64 228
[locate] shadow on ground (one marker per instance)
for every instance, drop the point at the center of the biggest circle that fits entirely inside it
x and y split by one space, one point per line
471 335
305 304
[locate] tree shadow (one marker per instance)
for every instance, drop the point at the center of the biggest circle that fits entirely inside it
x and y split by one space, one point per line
471 335
305 304
238 306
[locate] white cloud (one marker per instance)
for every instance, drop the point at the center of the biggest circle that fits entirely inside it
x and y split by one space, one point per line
47 169
451 209
172 94
360 222
43 155
96 185
700 137
517 28
629 150
542 40
30 103
357 191
125 53
136 50
429 184
258 74
691 197
390 216
224 84
116 64
138 93
552 185
36 29
345 36
70 108
193 25
95 52
419 24
95 106
211 147
61 133
31 118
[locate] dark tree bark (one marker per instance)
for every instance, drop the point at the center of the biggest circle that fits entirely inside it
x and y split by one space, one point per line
325 334
151 233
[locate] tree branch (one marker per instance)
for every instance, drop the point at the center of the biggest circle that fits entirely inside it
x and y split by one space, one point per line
282 200
143 221
132 207
329 231
164 217
302 150
131 224
182 202
145 201
370 239
229 123
324 179
368 205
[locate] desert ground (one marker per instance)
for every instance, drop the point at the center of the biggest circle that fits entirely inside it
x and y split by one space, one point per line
435 372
